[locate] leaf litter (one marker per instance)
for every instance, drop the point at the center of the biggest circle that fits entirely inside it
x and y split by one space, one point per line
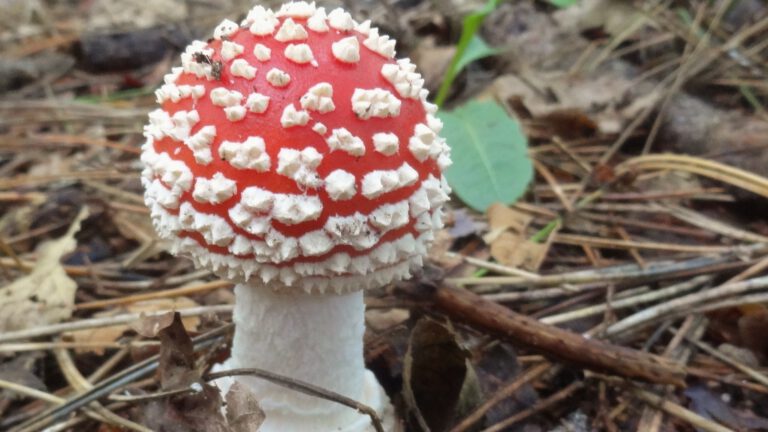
611 228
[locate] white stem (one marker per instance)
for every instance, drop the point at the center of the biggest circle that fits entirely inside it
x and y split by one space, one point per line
312 338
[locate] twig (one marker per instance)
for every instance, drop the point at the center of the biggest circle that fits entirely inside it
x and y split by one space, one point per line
708 168
164 294
685 304
494 267
80 384
540 406
555 342
302 387
654 270
578 240
648 297
501 394
111 384
746 370
30 392
104 322
680 412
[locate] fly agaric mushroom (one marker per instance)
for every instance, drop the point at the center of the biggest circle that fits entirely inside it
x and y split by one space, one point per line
295 156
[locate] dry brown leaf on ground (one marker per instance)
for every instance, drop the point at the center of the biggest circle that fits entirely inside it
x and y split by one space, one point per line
502 218
515 250
439 382
104 335
188 412
574 105
508 238
47 294
243 411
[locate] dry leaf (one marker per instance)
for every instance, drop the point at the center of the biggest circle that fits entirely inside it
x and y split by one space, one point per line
177 356
577 103
47 294
508 239
514 250
438 378
243 411
150 326
112 333
189 412
504 218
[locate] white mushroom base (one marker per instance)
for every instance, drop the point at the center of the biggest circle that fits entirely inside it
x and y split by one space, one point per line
312 338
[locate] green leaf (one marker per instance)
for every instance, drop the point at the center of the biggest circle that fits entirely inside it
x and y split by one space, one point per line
563 3
489 152
469 48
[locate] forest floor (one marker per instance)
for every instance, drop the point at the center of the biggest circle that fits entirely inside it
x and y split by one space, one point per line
643 232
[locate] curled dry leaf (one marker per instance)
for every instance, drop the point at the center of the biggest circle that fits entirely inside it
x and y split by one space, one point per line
243 411
188 412
177 356
47 294
438 378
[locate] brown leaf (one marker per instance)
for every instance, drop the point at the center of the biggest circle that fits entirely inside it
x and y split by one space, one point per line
47 294
501 217
150 326
243 411
177 360
514 250
189 412
436 376
195 412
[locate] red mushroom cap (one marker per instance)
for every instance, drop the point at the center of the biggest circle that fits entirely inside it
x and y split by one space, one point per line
295 149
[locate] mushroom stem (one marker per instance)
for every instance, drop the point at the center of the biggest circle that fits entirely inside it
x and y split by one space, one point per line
317 339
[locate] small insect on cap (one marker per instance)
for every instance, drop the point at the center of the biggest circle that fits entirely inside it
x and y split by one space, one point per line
293 149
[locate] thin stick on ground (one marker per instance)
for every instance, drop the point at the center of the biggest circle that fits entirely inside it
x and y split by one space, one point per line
302 387
503 393
540 406
679 411
555 342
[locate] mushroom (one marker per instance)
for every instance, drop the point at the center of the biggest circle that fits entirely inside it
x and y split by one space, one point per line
294 155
